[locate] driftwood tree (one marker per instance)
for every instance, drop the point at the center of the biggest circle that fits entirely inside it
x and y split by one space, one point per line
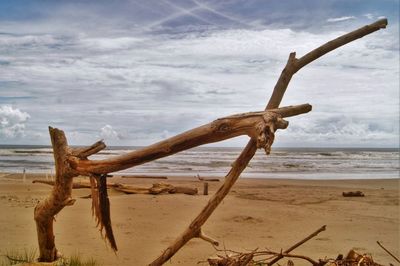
259 126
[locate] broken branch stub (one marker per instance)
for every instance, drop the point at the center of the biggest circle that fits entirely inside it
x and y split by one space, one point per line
60 197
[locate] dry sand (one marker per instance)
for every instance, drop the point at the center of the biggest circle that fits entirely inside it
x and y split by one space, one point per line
258 213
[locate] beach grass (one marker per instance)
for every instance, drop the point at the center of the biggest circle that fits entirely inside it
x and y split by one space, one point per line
27 256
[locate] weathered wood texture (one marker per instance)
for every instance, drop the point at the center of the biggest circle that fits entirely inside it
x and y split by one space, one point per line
292 66
59 198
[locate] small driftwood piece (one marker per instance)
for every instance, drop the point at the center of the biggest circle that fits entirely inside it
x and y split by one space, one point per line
156 189
353 194
207 179
205 188
354 258
292 66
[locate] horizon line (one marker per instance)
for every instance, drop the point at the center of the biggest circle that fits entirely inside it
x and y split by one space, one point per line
205 146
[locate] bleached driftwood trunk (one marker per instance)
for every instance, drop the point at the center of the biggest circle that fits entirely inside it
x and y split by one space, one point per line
259 126
59 198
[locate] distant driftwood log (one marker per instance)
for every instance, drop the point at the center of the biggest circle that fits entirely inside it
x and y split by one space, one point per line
158 188
353 194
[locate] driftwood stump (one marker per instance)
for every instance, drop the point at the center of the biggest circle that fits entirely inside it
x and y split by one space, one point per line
59 198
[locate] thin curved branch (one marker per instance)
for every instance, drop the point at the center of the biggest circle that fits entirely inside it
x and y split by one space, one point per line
322 228
340 41
293 65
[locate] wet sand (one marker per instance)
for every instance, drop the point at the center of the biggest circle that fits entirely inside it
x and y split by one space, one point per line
258 213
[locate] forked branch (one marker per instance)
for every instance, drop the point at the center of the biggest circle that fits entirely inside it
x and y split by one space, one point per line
292 66
71 162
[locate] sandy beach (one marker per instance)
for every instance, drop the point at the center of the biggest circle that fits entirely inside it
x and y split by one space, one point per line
258 213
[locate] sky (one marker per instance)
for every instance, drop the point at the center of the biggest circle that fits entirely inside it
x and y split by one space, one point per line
136 72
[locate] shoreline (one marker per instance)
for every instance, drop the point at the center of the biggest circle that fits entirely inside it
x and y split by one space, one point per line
258 176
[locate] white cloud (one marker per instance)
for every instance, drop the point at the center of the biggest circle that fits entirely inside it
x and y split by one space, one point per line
12 122
107 132
369 16
339 19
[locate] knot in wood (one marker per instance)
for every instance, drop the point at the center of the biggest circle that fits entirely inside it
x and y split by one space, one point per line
265 136
221 126
266 130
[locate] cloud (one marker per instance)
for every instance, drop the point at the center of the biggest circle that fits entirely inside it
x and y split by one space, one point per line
340 19
107 132
12 122
151 67
369 16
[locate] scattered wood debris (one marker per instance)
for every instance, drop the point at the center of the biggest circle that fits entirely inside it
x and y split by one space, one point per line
268 257
157 188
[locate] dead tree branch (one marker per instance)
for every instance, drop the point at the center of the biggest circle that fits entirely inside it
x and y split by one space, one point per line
256 125
388 252
292 66
301 242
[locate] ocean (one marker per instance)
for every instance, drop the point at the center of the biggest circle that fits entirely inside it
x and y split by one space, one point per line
292 163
